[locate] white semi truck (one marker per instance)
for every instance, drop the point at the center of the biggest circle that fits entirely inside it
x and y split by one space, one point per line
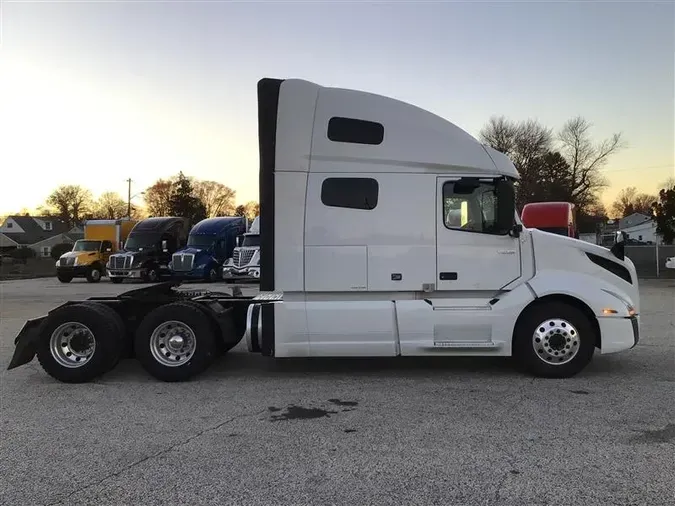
385 231
245 261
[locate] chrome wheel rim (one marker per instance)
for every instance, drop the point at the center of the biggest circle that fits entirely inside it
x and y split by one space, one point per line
72 344
173 343
556 341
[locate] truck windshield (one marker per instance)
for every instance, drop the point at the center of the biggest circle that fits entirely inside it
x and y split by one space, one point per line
251 240
200 241
138 242
87 246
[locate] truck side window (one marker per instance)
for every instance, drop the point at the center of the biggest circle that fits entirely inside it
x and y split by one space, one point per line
473 211
350 192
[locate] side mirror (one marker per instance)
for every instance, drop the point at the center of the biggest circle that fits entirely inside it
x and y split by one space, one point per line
506 205
108 250
165 246
618 249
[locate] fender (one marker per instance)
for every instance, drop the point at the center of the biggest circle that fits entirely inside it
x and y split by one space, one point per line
596 293
26 342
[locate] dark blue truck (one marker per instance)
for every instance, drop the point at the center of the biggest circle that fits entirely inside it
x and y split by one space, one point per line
209 244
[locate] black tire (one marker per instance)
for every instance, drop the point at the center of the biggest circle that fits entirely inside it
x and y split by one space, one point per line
123 339
151 275
563 340
191 315
117 281
64 278
106 336
212 274
94 273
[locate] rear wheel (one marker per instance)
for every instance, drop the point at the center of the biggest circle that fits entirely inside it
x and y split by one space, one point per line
123 341
175 342
78 343
554 340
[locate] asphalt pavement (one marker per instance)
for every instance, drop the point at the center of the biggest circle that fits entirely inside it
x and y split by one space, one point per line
255 431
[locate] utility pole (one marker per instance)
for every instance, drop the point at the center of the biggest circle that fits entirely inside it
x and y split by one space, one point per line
129 198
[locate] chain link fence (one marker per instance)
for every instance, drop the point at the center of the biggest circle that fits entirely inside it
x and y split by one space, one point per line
650 260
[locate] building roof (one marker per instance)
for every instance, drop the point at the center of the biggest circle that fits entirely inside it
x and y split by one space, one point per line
633 219
32 231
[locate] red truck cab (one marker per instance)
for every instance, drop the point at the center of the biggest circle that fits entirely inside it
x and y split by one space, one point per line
555 217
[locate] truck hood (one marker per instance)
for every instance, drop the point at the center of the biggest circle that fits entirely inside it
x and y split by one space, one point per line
79 254
192 250
553 252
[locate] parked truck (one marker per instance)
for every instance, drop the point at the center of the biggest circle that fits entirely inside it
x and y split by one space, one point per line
89 256
244 264
347 270
148 249
554 217
210 243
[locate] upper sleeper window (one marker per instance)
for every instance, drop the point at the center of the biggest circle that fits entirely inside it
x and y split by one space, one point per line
355 131
350 192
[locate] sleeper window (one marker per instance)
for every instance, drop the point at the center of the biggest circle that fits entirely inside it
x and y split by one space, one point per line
350 192
468 208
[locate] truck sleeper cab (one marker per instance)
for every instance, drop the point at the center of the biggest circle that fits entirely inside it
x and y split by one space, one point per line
347 270
209 245
148 249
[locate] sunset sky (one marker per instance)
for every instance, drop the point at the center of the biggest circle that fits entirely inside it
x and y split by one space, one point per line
94 93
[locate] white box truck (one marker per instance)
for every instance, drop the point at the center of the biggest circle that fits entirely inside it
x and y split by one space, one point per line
385 231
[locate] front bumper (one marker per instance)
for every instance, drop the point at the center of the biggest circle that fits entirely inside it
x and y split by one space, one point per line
75 270
126 273
241 272
619 334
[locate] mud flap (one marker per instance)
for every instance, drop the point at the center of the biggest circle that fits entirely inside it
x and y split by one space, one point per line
26 342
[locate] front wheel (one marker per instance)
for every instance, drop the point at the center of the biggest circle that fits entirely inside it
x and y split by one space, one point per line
64 278
94 274
554 340
151 275
175 342
212 275
117 281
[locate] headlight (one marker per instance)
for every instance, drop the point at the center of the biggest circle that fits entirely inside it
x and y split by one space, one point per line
630 309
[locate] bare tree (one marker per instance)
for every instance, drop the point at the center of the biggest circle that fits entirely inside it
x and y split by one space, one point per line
538 156
629 201
111 206
158 197
71 203
586 158
218 198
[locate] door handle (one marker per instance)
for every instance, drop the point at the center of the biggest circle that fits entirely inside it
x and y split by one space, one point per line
448 276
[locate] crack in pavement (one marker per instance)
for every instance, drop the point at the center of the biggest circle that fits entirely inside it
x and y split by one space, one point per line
155 455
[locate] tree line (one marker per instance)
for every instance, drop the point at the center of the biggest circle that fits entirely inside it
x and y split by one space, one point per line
566 165
178 195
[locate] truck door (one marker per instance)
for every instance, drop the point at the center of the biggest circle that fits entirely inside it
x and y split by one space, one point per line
106 251
471 255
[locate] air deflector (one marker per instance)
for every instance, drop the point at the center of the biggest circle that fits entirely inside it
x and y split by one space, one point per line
268 105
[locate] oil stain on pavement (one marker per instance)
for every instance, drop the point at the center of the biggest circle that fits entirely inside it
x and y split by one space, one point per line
294 412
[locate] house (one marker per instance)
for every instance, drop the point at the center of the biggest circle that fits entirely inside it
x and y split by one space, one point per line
39 233
639 227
